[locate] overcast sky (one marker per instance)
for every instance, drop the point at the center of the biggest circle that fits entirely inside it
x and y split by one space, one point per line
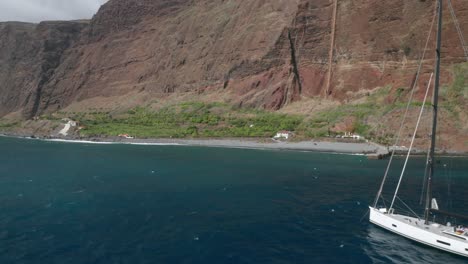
40 10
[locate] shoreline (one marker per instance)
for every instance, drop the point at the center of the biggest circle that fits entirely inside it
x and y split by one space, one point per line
356 148
370 149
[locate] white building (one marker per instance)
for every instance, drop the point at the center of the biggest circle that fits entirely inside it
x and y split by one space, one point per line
284 134
351 135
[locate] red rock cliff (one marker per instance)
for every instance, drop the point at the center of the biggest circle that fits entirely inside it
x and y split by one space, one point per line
260 53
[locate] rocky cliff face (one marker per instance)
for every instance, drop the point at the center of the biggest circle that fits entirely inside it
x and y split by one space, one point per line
29 55
259 53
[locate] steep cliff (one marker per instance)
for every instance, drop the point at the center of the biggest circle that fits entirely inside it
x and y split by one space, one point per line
258 53
29 55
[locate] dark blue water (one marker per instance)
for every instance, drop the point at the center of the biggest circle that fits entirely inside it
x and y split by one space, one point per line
78 203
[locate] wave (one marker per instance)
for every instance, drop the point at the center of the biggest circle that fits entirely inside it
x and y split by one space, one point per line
109 142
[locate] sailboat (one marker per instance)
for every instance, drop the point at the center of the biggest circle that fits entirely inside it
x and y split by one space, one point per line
424 229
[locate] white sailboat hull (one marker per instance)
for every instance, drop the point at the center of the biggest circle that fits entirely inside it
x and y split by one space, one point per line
434 235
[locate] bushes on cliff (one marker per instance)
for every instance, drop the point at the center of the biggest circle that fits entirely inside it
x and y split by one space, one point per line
191 119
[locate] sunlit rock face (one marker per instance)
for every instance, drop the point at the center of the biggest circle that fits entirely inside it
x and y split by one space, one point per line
264 54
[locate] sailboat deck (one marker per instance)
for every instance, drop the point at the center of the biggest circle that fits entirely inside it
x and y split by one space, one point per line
446 231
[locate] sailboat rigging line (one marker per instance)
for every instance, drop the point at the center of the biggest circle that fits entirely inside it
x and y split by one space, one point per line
449 185
408 105
421 198
364 216
409 208
454 215
383 201
438 234
460 33
412 142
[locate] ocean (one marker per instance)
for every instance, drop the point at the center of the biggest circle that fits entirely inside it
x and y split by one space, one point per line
88 203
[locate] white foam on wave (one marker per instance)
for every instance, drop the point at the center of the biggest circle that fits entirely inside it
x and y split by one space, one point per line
152 144
77 141
110 143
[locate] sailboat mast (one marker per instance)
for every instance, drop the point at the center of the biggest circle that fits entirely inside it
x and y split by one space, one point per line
435 106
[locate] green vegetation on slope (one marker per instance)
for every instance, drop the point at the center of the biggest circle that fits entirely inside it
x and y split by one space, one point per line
8 125
459 88
191 119
454 96
197 119
320 123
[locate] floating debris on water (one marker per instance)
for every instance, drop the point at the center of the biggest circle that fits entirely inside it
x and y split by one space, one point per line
196 238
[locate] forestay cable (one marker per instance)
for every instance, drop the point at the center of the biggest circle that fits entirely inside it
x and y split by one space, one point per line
460 33
412 143
379 193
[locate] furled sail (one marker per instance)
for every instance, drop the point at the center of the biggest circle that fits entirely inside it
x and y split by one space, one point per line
434 204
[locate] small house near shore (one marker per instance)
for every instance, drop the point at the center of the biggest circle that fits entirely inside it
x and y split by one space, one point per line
126 136
284 134
352 136
70 122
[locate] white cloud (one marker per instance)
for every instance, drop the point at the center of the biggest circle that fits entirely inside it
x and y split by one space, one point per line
40 10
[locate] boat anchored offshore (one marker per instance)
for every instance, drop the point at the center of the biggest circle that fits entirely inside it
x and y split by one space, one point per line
424 229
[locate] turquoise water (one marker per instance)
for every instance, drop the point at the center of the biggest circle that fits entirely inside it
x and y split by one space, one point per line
83 203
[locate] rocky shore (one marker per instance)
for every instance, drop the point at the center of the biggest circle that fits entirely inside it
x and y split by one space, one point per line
363 148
